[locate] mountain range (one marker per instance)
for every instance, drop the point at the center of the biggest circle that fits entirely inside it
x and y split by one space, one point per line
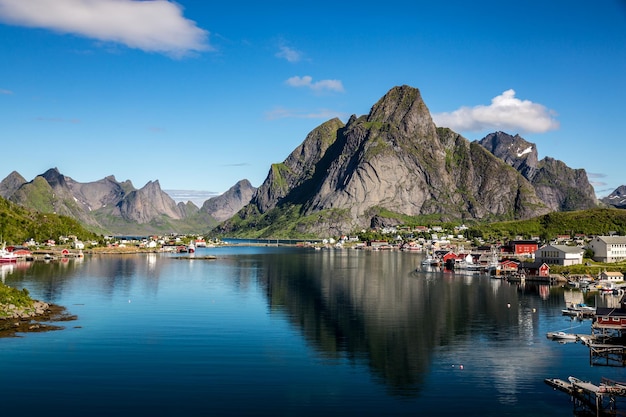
109 206
393 164
389 167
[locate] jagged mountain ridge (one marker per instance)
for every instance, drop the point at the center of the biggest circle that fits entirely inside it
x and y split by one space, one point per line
392 160
371 171
561 188
110 206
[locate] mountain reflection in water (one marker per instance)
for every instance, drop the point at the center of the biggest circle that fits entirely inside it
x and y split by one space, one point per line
291 331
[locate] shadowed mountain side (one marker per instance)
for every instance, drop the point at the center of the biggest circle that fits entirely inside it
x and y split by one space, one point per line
559 187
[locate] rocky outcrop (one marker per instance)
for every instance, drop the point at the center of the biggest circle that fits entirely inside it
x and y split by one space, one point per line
11 311
559 187
394 160
225 206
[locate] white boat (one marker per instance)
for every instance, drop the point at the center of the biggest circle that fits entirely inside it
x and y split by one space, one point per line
561 336
579 310
430 261
468 264
6 256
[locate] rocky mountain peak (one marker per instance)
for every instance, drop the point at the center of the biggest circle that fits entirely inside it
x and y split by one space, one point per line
394 160
11 183
514 150
617 198
226 205
404 108
54 178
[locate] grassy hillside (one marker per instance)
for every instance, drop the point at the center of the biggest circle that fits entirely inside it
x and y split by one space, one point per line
598 221
285 222
18 224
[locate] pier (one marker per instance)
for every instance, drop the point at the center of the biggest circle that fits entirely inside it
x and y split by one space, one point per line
605 354
600 399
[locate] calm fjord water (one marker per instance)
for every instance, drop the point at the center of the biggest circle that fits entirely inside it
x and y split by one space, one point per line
288 332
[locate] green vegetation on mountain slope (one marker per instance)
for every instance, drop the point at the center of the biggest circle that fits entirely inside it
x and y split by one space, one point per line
18 224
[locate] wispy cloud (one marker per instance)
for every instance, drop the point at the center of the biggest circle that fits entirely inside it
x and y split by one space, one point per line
506 112
307 81
594 179
5 92
282 113
152 26
289 53
236 164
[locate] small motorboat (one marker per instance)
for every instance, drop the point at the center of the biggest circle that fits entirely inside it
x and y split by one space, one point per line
561 336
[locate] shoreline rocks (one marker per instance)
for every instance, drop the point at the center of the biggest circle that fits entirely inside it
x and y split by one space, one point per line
34 318
11 311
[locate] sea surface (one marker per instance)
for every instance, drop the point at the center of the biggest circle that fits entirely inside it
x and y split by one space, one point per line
284 331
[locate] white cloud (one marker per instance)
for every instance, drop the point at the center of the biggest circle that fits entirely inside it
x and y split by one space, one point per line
290 54
5 92
152 26
282 113
307 81
506 112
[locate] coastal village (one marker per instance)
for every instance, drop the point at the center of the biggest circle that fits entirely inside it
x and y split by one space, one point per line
515 259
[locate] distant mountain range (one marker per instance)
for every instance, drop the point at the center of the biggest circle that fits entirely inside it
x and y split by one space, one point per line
617 198
109 206
388 167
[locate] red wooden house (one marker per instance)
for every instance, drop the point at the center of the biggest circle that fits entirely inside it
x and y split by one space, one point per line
523 247
610 318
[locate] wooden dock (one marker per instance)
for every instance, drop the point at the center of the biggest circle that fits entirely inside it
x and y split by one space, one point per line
600 399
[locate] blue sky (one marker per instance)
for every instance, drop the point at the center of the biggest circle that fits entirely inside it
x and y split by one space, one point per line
200 95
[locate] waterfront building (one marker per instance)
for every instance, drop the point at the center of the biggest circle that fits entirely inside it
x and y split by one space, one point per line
521 247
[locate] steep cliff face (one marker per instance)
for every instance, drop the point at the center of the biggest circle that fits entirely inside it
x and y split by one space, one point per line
225 206
147 204
560 187
395 160
298 172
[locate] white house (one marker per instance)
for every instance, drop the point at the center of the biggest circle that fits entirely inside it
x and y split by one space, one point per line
559 255
608 248
611 276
